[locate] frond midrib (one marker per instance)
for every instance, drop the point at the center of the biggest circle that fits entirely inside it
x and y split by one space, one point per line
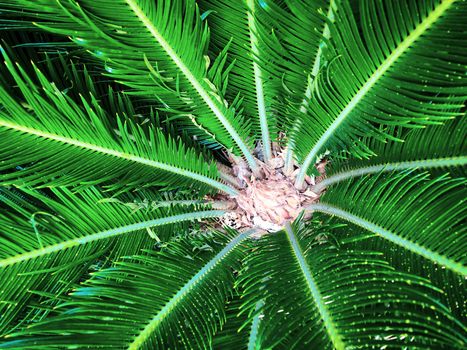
197 85
317 62
390 236
378 74
334 335
309 87
118 154
261 104
107 234
141 338
386 167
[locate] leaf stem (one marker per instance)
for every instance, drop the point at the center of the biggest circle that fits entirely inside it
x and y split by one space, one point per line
309 88
372 80
224 175
199 86
263 120
121 155
187 287
426 163
252 339
336 338
457 267
107 234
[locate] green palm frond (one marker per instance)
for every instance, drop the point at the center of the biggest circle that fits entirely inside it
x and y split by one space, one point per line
155 300
152 203
439 146
301 31
77 81
294 52
51 138
59 238
166 61
421 225
313 300
422 215
454 286
242 25
381 72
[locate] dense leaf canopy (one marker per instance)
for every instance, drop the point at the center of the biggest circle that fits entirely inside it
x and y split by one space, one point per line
118 119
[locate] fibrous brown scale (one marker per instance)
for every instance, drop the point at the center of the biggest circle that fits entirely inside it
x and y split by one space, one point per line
266 200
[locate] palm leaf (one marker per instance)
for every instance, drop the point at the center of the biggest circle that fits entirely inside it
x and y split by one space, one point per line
390 70
59 239
152 203
240 331
313 300
294 51
421 238
454 286
301 31
118 122
241 25
166 62
420 214
52 138
439 146
155 300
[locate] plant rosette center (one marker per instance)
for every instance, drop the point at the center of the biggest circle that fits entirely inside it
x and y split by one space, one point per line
266 201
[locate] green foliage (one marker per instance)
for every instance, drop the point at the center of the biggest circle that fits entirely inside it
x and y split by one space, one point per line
115 115
48 243
425 149
38 124
374 78
158 50
128 295
326 306
412 211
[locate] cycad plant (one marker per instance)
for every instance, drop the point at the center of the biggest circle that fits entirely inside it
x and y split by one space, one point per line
233 174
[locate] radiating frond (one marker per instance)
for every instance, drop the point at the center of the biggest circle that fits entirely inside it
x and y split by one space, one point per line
159 300
156 49
244 25
294 52
438 146
301 31
453 285
397 65
48 246
319 296
420 214
54 141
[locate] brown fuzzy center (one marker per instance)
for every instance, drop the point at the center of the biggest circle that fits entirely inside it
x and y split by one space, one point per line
268 201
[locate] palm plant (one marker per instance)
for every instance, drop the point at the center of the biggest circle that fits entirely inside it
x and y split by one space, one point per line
254 174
